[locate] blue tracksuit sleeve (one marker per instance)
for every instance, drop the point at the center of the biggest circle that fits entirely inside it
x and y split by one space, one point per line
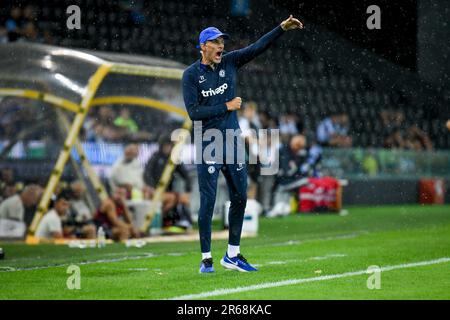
245 55
195 110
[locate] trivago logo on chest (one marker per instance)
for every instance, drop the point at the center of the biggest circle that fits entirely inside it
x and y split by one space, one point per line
213 92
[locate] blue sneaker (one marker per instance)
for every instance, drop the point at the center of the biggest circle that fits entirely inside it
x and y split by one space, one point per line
238 263
206 266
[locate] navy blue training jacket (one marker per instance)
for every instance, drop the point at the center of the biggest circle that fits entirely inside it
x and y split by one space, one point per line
206 90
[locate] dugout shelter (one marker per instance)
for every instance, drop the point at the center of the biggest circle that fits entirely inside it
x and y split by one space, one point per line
74 81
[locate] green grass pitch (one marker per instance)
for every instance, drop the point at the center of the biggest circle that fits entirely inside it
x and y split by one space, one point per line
299 257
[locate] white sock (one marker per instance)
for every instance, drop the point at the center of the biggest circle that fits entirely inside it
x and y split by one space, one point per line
233 251
206 255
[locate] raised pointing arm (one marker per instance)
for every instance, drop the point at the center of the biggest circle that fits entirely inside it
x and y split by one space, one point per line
245 55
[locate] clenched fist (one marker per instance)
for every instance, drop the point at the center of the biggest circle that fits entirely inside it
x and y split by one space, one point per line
234 104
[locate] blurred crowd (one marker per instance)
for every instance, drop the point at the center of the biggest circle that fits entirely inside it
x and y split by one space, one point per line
398 134
105 124
72 213
20 24
15 116
299 149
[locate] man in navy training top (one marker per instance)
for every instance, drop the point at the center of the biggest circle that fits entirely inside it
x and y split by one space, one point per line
209 91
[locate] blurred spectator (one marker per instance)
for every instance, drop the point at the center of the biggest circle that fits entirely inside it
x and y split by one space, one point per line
417 139
288 125
51 225
9 117
393 128
250 125
398 135
267 122
13 24
7 183
298 160
88 132
105 134
16 114
334 131
370 163
8 190
311 165
392 120
124 120
28 118
156 164
30 29
29 14
114 217
21 25
78 204
105 116
127 172
295 124
60 187
3 35
129 127
13 208
267 151
105 127
292 156
249 119
80 218
395 140
175 205
31 33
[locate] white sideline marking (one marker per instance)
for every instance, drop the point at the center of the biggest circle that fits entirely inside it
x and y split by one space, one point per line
138 269
287 243
277 262
297 242
328 256
146 256
220 292
273 262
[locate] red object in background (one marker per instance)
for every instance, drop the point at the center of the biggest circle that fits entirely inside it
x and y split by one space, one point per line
431 191
320 194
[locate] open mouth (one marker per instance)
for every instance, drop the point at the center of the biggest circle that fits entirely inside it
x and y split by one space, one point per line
219 54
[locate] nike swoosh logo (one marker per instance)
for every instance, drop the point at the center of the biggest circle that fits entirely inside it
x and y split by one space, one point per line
201 81
239 169
235 263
